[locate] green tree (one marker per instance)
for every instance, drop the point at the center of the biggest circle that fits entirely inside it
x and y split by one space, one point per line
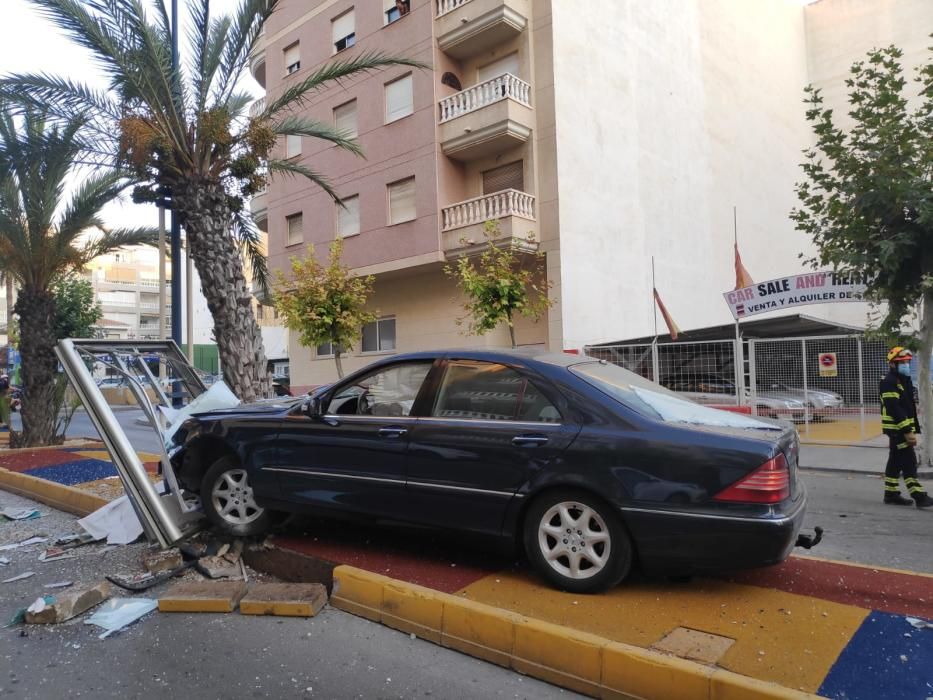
76 309
42 238
867 199
324 303
188 133
498 284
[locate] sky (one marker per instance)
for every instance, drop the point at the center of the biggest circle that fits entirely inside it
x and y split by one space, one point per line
29 43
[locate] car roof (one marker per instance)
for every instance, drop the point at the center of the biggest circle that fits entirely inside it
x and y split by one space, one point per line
506 355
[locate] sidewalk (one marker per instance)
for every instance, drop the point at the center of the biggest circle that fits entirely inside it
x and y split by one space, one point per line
868 457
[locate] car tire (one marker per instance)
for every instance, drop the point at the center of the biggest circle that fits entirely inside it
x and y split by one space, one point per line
228 501
569 565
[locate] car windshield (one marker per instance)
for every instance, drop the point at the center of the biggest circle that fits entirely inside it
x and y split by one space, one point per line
655 401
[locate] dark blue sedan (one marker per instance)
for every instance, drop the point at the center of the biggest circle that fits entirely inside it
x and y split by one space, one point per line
586 466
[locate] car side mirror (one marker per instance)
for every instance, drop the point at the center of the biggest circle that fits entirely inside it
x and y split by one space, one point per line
313 408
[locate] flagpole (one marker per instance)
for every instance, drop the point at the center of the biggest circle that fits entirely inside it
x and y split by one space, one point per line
654 303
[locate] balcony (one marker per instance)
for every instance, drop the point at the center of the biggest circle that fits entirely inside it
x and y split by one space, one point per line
466 28
485 119
463 223
257 107
257 64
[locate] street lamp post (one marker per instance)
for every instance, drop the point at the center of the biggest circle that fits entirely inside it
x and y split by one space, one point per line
176 227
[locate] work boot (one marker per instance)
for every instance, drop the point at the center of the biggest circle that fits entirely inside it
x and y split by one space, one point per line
923 501
896 499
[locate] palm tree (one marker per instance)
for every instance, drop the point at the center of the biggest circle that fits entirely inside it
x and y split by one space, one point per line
44 235
187 134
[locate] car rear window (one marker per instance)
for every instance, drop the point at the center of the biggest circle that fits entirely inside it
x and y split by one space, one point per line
654 401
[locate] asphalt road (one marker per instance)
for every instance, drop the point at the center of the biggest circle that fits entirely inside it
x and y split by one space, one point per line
333 655
141 436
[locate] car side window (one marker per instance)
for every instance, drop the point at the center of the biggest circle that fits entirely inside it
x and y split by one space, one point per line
390 391
489 391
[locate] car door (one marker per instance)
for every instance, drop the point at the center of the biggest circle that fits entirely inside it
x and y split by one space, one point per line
488 430
352 457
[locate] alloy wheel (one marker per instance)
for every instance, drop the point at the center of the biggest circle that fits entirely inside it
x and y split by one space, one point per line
232 498
574 540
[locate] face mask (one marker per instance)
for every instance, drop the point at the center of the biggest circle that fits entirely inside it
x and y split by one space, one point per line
903 369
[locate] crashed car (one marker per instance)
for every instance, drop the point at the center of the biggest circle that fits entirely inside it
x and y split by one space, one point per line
584 466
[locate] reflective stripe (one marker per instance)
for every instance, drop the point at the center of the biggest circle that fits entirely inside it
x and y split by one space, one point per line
890 395
906 423
902 446
892 489
915 489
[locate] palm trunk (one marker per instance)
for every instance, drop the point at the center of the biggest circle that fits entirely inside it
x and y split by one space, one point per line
36 310
923 380
9 306
206 217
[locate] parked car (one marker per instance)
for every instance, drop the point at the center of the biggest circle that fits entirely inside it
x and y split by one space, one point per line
711 389
585 466
821 402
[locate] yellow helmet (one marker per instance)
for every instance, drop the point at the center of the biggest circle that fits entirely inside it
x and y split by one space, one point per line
899 354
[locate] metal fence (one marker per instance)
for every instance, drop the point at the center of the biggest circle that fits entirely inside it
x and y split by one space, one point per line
826 385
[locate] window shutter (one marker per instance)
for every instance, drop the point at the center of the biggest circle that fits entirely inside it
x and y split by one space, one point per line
506 64
292 145
295 228
399 98
343 26
348 219
507 177
345 118
292 57
402 201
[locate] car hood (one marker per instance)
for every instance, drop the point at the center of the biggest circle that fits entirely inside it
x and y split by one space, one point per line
265 407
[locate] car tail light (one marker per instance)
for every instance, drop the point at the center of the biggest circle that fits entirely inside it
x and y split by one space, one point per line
770 483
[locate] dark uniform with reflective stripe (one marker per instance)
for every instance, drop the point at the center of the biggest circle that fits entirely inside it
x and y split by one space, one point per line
898 419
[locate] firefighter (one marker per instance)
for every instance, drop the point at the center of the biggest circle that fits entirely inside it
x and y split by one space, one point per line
899 422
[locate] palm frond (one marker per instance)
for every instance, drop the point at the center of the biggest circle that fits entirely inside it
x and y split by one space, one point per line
207 38
83 211
60 97
294 125
115 239
250 239
297 95
291 168
241 39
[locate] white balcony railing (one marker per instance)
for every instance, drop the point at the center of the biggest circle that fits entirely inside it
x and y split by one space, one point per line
505 86
491 206
445 6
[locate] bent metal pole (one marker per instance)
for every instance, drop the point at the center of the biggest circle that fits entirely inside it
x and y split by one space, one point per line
159 525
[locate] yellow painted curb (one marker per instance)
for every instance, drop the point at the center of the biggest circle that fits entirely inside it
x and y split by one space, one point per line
59 496
279 608
856 565
561 655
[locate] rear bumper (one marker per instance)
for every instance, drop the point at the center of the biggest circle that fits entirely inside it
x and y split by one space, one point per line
672 542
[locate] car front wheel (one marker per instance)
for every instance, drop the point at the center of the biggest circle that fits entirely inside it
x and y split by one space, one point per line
228 501
576 542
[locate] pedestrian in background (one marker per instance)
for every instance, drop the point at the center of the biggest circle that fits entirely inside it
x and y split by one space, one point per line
900 424
4 403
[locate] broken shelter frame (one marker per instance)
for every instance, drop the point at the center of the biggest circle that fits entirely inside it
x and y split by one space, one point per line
166 517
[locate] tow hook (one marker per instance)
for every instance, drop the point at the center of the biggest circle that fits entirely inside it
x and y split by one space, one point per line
810 541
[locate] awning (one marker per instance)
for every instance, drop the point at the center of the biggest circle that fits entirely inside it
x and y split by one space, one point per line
796 325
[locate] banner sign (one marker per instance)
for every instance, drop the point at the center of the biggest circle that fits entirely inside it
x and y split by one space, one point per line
796 290
828 366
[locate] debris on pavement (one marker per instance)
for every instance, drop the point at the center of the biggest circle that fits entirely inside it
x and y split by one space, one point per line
118 613
919 624
287 599
116 521
143 582
24 543
69 604
55 554
4 561
40 604
203 596
218 567
59 584
24 575
74 539
20 513
159 561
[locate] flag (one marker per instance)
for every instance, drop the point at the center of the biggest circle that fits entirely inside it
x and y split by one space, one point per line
742 278
671 326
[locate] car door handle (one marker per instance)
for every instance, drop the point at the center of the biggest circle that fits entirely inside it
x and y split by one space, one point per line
392 433
529 440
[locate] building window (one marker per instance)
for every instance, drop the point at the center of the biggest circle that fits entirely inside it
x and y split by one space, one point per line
345 119
343 31
294 227
396 9
326 350
505 177
401 201
379 335
292 146
292 59
399 99
348 216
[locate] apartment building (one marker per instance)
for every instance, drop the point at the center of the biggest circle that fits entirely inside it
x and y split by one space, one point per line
614 131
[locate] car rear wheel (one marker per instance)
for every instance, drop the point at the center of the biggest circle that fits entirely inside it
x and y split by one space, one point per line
228 501
576 542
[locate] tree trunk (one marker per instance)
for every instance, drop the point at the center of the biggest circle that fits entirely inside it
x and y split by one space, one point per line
207 218
36 310
511 330
923 380
338 363
9 306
